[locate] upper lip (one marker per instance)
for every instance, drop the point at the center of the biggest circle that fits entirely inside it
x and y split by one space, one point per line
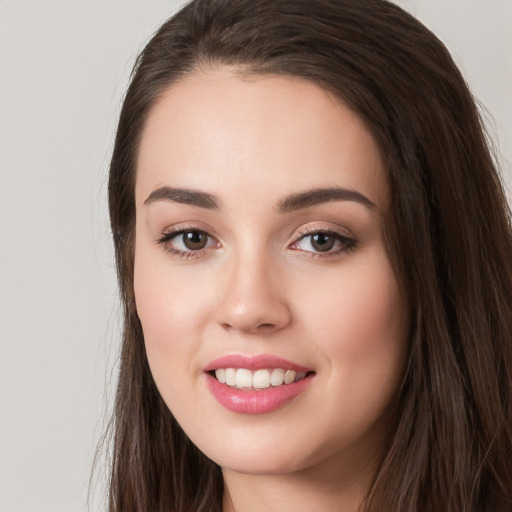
254 362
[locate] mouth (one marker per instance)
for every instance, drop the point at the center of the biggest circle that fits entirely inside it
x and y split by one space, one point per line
243 378
256 384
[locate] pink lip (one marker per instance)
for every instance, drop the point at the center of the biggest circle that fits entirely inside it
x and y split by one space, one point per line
253 363
255 401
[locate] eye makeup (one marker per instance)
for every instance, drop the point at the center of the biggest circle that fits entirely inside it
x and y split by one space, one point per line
190 242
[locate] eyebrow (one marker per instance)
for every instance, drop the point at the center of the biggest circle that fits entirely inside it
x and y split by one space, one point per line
185 196
289 204
321 195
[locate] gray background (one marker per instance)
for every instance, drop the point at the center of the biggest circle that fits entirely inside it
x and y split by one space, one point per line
64 66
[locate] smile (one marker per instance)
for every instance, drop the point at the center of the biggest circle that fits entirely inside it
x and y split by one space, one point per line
256 384
243 378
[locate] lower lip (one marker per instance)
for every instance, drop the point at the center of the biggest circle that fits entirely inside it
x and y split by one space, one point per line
260 401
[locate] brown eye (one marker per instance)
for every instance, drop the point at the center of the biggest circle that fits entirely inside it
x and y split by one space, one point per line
194 240
322 242
188 243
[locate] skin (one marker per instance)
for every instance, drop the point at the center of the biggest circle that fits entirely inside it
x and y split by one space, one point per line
260 287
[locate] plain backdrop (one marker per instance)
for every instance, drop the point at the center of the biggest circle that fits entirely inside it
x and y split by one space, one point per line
64 66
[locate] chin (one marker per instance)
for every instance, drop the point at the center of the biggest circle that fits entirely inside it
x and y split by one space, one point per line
273 458
259 465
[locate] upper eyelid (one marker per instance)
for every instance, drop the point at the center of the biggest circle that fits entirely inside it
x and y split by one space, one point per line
311 230
171 235
168 236
339 236
183 228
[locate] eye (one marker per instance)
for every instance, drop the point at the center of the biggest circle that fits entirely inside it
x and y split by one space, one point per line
192 240
187 242
323 243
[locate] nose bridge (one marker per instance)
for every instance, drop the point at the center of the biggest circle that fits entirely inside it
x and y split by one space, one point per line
253 301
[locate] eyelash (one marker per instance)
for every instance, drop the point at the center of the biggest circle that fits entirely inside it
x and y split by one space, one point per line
174 233
347 243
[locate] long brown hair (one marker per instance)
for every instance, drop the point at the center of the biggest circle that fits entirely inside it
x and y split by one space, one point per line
448 232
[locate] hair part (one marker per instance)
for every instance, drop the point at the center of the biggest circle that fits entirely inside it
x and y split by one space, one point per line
448 233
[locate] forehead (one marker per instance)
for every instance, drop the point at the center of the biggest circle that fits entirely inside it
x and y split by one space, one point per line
218 131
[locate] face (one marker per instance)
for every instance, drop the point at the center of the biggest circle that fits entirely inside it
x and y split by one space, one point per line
274 326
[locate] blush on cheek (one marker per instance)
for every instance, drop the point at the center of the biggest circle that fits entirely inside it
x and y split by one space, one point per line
170 310
367 329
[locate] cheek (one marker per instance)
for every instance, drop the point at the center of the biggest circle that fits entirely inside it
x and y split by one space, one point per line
171 312
362 333
376 315
168 303
362 326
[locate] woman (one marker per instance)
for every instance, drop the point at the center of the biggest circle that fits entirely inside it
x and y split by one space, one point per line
313 249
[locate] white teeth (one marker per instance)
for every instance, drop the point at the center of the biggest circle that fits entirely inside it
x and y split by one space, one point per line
289 377
243 378
230 376
261 379
277 377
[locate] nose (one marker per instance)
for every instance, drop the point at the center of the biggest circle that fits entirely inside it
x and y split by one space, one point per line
254 297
